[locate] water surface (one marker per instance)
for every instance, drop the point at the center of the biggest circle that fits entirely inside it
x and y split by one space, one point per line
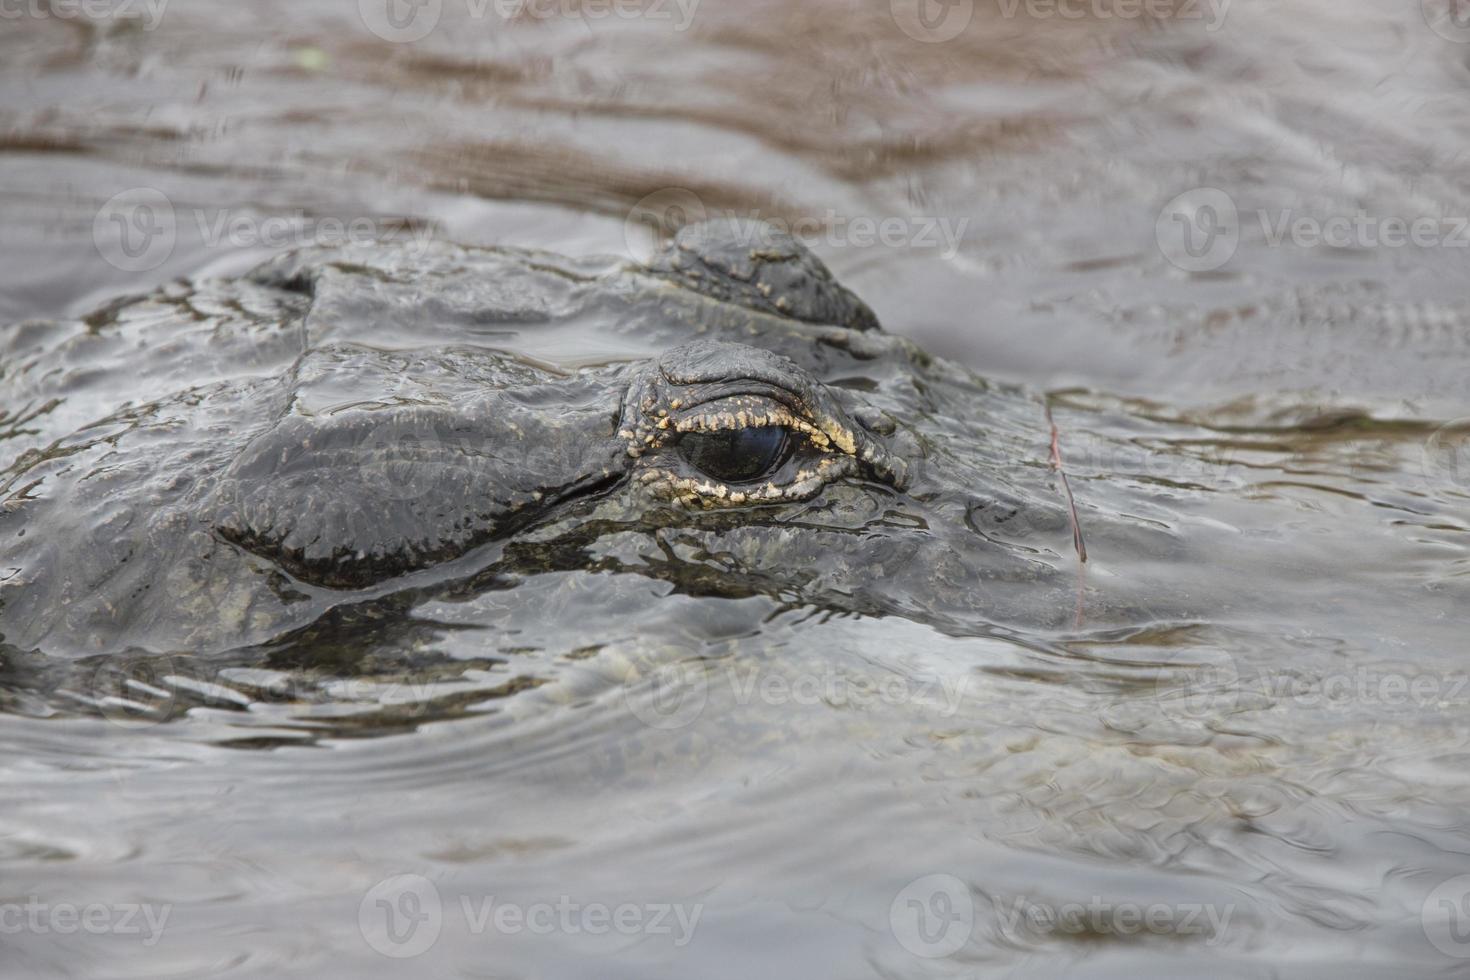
1271 753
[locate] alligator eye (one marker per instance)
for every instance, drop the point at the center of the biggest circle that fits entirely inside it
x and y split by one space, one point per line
736 455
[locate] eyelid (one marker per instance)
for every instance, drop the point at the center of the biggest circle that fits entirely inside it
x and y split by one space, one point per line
744 412
707 394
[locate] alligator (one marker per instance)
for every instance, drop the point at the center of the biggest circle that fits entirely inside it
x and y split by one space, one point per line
320 446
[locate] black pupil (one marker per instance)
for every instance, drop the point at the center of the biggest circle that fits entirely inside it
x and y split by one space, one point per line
735 455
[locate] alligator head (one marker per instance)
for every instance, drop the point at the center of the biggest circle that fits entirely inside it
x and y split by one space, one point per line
411 421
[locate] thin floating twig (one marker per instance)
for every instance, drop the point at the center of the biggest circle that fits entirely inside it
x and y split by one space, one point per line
1056 464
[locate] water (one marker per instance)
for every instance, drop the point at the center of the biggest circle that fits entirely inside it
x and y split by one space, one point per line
1266 752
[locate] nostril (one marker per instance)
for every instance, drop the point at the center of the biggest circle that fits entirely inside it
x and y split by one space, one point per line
1012 517
982 515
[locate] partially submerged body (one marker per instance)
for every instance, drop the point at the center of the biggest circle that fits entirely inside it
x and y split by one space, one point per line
372 428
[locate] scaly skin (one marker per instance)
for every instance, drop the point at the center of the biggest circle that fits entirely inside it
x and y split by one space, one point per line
347 433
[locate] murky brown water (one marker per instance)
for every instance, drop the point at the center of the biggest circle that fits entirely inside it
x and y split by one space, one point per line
1269 370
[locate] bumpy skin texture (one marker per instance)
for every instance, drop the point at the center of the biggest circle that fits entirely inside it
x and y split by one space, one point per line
755 265
351 498
352 432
